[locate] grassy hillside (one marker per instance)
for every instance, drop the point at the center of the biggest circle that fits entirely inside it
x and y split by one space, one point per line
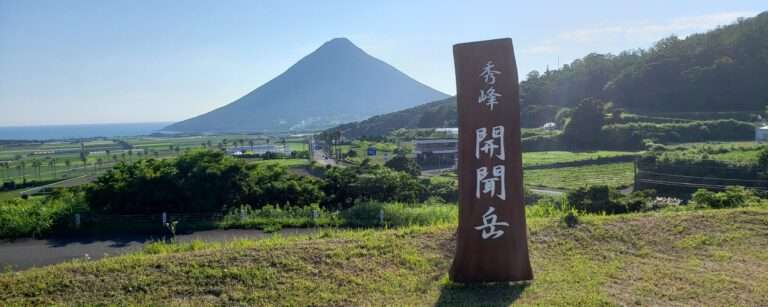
713 257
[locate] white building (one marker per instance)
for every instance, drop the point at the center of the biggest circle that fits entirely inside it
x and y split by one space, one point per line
258 149
761 133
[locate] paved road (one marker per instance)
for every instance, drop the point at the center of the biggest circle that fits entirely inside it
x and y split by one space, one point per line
319 157
26 253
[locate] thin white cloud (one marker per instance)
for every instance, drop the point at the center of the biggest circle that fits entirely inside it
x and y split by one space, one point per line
617 37
542 49
642 31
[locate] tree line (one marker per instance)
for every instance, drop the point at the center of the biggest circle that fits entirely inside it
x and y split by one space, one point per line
211 181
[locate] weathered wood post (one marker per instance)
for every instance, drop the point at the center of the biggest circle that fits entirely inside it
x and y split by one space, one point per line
492 243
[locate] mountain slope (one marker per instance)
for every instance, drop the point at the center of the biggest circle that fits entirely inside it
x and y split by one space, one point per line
441 113
337 83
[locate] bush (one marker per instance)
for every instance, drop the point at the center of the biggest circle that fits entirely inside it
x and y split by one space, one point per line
697 131
272 218
762 160
584 127
603 199
733 196
199 181
343 187
404 164
400 214
36 217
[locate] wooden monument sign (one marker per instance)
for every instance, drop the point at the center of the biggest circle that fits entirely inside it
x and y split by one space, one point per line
492 242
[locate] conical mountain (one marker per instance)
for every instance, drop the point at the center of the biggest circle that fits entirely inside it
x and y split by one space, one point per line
336 83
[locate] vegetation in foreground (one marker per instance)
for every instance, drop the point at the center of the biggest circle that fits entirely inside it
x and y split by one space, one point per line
709 257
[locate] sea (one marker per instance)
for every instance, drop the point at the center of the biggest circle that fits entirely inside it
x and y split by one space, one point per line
55 132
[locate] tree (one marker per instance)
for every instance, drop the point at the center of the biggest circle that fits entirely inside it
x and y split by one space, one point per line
6 166
83 157
402 163
36 167
585 126
762 159
52 165
198 181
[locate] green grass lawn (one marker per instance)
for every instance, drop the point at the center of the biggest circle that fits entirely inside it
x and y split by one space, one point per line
614 174
696 258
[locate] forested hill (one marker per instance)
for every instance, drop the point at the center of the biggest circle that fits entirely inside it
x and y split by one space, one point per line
722 70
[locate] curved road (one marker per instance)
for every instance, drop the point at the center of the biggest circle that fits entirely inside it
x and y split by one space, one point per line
26 253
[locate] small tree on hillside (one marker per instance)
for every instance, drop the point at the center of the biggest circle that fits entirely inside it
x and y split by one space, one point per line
404 164
586 124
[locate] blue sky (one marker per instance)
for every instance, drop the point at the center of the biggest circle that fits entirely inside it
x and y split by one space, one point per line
67 62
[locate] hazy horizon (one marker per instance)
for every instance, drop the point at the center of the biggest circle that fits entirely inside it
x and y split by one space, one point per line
102 63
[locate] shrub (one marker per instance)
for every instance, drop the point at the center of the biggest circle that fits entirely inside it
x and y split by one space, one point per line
400 214
697 131
272 218
404 164
36 217
584 127
733 196
603 199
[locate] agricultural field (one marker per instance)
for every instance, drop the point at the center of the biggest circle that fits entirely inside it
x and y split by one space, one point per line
636 259
551 157
614 174
619 174
744 153
43 162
